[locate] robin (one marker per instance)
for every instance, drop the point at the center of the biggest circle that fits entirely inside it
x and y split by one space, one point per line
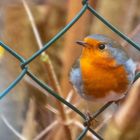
104 72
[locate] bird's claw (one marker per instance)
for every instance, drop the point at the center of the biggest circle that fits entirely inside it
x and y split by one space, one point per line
89 119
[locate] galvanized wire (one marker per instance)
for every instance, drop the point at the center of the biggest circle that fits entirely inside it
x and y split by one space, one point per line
25 70
80 137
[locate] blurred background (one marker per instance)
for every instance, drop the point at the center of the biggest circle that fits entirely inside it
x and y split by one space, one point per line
28 112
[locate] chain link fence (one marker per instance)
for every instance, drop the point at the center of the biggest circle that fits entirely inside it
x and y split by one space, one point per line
26 71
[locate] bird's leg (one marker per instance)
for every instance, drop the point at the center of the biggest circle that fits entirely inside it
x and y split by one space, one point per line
89 119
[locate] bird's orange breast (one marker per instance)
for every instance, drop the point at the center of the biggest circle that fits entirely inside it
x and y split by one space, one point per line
99 79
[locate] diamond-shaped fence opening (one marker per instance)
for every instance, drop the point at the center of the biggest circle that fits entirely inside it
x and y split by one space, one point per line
21 75
26 71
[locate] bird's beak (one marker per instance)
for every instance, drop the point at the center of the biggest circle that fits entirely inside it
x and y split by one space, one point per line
82 43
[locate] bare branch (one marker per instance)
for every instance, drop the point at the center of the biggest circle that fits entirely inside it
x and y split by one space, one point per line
48 65
46 130
32 21
52 109
12 128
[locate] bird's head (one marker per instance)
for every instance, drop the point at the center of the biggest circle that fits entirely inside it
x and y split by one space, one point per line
102 49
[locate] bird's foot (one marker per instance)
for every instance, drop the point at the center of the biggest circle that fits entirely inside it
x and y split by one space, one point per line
89 120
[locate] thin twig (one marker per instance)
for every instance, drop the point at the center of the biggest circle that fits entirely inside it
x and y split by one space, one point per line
52 109
70 95
39 88
35 85
46 130
12 128
32 21
68 110
29 126
40 45
80 125
48 64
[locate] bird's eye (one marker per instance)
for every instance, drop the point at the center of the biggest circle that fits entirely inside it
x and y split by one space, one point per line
102 46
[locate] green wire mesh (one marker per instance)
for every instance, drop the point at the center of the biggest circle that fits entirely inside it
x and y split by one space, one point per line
24 64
